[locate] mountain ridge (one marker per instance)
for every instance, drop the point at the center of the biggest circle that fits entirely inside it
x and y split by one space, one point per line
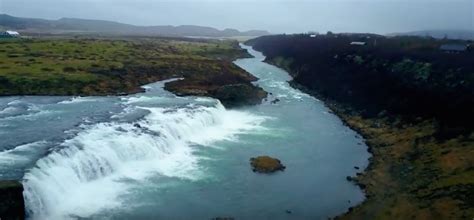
81 26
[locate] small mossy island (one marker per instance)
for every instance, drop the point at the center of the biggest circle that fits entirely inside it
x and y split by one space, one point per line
266 164
12 206
94 66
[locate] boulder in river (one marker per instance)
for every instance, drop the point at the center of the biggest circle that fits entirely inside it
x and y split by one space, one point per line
266 164
275 101
239 95
12 205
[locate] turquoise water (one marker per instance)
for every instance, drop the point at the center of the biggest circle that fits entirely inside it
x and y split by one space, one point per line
157 156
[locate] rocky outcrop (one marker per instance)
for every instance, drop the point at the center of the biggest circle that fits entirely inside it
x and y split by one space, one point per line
239 95
12 206
266 164
227 82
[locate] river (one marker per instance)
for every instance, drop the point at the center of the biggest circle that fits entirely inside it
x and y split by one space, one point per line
154 155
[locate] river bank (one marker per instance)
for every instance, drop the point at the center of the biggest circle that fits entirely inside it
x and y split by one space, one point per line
411 174
98 67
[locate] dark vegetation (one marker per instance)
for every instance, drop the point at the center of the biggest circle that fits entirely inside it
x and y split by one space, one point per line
406 76
440 34
412 103
83 66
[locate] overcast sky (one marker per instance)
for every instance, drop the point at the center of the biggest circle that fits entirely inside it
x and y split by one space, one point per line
276 16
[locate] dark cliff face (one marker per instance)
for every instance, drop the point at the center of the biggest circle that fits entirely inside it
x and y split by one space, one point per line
12 206
407 76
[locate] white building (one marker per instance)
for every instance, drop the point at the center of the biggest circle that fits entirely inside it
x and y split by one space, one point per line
358 43
9 33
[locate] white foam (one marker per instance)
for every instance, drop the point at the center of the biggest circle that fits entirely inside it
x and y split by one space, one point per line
78 99
88 174
287 90
204 99
15 102
30 116
141 99
8 110
17 154
17 107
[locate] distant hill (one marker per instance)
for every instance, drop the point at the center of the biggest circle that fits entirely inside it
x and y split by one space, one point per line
451 34
85 26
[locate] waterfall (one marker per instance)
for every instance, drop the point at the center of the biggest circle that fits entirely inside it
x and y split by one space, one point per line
88 172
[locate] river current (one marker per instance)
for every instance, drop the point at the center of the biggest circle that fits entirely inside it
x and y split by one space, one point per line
154 155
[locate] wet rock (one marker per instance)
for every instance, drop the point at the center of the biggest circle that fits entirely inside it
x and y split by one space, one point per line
239 95
383 113
349 178
137 125
266 164
12 205
356 167
275 101
361 185
120 129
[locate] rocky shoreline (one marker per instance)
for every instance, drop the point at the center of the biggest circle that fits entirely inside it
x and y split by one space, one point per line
415 121
12 205
405 158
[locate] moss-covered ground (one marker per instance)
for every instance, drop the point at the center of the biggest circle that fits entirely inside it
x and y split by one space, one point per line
412 174
60 66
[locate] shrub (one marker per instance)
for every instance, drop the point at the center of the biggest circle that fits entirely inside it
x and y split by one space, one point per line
46 69
69 69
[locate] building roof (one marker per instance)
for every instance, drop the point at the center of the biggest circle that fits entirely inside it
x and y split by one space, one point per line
359 43
453 47
12 32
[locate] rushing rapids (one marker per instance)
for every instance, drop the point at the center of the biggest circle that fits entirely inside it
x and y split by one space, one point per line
91 166
153 155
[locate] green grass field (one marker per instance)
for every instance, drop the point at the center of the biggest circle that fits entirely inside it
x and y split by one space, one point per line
104 66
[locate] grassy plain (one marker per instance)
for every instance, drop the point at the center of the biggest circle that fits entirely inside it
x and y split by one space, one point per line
59 66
